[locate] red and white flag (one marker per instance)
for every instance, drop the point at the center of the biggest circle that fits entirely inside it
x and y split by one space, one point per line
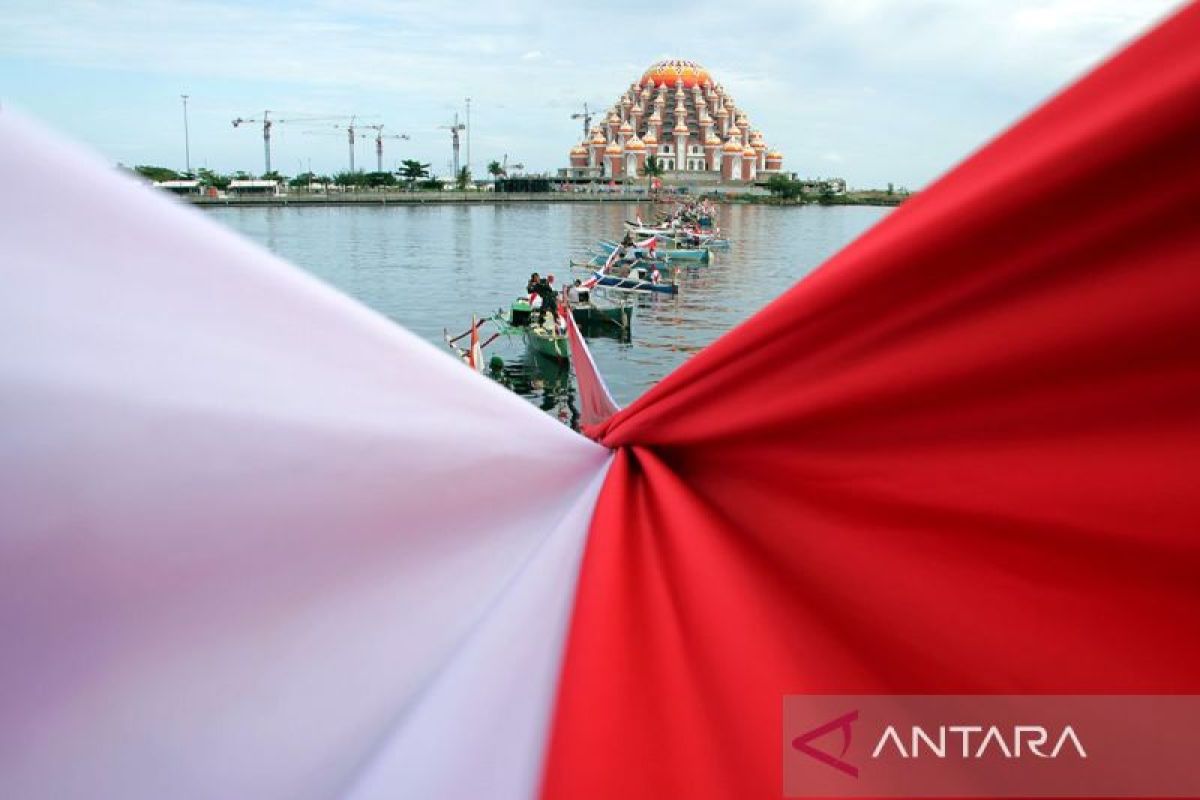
258 541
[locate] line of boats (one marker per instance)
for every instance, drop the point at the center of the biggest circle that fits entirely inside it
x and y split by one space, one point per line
647 261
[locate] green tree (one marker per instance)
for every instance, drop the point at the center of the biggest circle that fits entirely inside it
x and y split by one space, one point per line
302 180
784 187
376 180
653 168
273 175
156 173
462 179
213 179
413 171
495 170
432 185
349 179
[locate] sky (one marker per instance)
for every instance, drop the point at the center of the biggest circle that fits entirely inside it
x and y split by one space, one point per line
873 91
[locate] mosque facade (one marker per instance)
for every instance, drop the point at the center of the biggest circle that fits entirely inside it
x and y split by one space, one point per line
690 124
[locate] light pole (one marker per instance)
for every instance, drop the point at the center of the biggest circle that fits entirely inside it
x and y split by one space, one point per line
468 136
187 145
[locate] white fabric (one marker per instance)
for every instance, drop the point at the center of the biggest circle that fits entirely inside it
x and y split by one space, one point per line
255 540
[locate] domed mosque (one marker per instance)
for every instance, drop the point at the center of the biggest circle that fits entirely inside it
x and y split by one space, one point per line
677 113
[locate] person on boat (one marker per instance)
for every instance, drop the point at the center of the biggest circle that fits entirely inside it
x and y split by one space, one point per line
573 291
628 240
531 287
549 301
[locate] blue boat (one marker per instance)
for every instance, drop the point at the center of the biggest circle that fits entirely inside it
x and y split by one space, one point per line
699 255
634 284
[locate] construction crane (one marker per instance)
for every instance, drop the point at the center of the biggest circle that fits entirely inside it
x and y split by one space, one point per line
351 130
267 124
454 129
586 115
379 137
504 166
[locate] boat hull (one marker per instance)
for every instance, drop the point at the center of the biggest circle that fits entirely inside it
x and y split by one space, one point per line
700 256
588 314
635 285
543 343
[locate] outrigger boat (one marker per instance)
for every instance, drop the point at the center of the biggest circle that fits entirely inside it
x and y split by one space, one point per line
540 338
699 255
634 284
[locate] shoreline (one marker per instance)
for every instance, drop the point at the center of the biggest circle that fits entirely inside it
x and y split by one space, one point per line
504 198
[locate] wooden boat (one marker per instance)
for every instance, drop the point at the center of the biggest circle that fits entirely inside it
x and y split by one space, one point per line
603 319
699 255
635 284
592 313
547 342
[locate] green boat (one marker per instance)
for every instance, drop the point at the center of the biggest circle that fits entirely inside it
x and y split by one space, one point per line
588 314
544 342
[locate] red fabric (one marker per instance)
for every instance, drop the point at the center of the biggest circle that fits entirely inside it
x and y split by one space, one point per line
596 403
962 456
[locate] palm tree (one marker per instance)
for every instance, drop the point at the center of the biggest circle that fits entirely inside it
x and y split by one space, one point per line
495 169
412 171
653 169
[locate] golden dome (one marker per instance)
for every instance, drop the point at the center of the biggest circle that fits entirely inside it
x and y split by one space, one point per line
775 154
666 73
749 152
613 149
598 137
722 112
579 150
731 147
626 128
650 138
635 144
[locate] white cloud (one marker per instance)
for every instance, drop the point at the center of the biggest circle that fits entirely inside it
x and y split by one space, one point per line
898 90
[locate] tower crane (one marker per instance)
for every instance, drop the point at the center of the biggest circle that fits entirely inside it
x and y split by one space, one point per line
267 124
586 115
454 129
379 137
351 130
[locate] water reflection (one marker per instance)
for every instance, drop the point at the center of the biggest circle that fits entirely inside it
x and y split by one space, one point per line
545 381
430 267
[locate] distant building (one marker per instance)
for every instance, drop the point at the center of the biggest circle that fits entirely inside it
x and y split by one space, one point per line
676 113
179 187
244 188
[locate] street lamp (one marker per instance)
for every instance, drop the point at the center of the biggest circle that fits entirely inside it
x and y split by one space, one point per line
187 145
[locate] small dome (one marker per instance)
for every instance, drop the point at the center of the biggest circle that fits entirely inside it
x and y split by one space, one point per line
749 152
731 147
712 140
680 126
650 138
625 128
635 145
775 155
579 150
721 112
613 149
598 137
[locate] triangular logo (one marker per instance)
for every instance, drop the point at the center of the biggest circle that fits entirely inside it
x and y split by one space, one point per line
803 743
